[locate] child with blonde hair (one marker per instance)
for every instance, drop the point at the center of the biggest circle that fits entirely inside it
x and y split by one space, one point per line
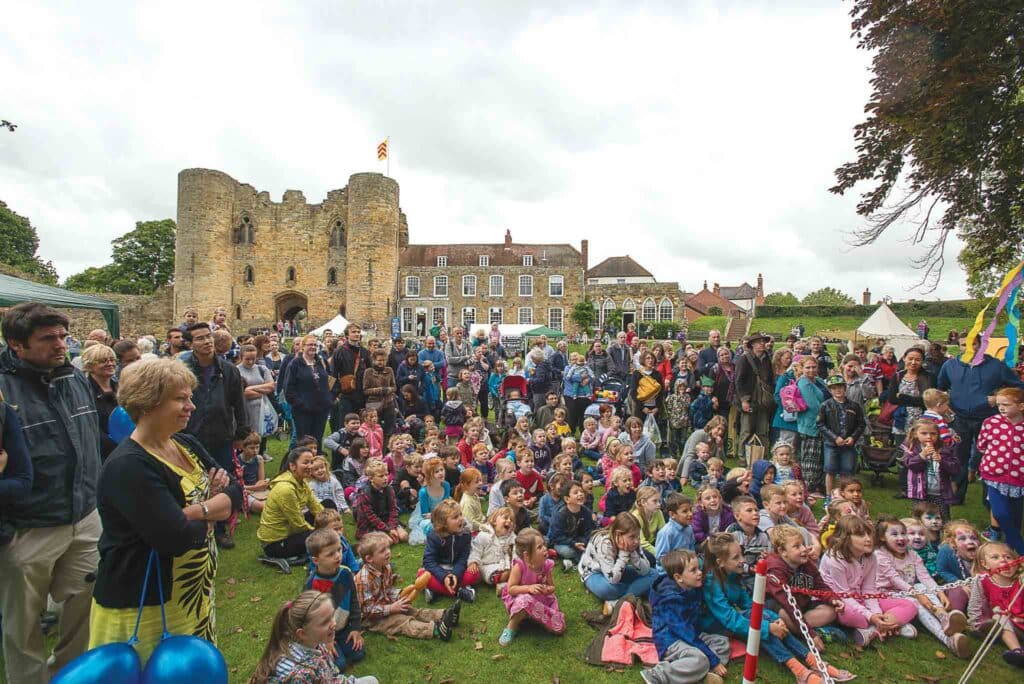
504 469
446 556
375 508
620 496
647 510
467 493
999 592
491 551
530 590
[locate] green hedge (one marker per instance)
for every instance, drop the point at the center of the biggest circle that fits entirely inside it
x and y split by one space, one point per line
662 328
950 309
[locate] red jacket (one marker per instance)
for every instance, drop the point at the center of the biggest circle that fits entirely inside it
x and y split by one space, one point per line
804 577
466 452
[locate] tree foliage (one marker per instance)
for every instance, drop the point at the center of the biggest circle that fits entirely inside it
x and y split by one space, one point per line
781 299
714 311
584 315
986 264
143 260
826 296
19 243
942 147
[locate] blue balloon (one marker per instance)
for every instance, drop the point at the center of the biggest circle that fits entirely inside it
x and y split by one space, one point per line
106 664
119 425
185 659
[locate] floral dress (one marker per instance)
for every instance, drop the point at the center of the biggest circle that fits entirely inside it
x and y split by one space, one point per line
542 608
908 387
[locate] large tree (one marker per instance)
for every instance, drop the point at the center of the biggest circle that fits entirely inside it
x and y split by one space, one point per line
942 147
781 299
827 296
143 260
19 243
584 315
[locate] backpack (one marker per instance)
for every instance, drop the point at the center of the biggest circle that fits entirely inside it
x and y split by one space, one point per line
792 400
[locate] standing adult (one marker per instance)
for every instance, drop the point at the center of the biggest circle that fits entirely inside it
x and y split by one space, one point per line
459 354
620 358
483 362
53 551
396 357
175 342
821 355
647 396
598 360
560 359
542 343
430 352
972 396
351 360
708 356
577 389
907 389
307 392
811 456
723 375
100 365
755 387
381 391
159 491
219 417
541 380
259 384
860 388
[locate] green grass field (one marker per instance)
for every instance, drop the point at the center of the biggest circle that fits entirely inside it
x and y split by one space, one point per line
844 326
248 594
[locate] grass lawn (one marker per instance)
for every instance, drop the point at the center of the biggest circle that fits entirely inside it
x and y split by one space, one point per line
844 326
248 594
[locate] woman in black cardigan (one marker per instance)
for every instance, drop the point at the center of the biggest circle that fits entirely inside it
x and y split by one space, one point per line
159 490
307 392
906 389
100 364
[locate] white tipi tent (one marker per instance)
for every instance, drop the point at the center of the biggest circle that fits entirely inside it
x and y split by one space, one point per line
884 324
336 325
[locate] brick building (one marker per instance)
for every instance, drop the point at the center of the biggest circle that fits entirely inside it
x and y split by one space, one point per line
622 283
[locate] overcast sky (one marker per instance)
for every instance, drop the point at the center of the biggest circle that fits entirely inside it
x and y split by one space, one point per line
700 141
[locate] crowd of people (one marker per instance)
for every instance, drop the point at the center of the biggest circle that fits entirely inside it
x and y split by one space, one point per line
652 468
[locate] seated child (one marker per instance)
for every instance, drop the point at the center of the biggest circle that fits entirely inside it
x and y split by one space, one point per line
729 606
298 649
550 502
851 489
491 552
482 462
620 496
372 432
331 518
331 577
554 439
251 471
541 451
571 525
352 468
850 565
530 479
326 487
504 469
774 513
560 423
337 443
677 532
375 507
435 489
530 590
900 569
647 511
522 431
955 560
785 468
612 565
657 478
762 473
737 483
383 610
562 463
753 541
515 498
446 556
993 593
587 482
716 473
696 469
408 481
450 457
467 493
790 565
797 510
590 439
712 515
927 534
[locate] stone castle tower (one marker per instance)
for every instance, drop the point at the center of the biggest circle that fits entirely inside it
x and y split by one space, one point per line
266 261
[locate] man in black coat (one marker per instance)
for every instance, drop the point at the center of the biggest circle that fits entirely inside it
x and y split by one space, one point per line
755 389
351 358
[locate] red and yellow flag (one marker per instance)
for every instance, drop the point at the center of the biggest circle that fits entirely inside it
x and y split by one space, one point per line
382 150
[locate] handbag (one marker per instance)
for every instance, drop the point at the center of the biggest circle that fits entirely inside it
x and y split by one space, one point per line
268 417
348 382
647 388
755 449
885 416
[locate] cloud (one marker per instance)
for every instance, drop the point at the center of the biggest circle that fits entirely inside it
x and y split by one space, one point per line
700 138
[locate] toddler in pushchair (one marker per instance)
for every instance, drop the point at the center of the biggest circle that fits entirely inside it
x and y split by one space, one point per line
513 407
612 391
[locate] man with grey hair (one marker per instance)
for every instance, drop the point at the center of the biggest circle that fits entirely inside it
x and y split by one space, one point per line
459 354
708 356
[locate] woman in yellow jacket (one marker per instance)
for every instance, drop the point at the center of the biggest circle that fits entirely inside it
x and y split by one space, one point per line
283 527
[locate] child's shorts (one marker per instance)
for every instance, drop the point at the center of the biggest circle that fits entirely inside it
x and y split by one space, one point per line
840 460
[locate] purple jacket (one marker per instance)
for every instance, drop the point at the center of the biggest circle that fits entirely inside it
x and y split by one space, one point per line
917 474
700 522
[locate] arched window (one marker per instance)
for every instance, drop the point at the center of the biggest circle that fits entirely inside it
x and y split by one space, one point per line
337 233
606 311
629 305
250 276
244 232
665 310
332 276
238 312
290 274
649 311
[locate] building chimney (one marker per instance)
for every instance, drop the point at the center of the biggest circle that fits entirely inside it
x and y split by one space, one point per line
508 239
866 297
705 284
717 290
585 252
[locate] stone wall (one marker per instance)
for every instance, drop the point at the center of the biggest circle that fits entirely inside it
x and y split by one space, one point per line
140 314
639 293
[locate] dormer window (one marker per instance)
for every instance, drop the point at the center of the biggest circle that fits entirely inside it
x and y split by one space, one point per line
442 261
527 260
485 260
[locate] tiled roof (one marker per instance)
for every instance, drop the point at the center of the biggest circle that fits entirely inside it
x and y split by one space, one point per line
619 267
499 255
744 291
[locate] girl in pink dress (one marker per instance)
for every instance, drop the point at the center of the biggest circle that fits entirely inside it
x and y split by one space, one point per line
998 591
530 591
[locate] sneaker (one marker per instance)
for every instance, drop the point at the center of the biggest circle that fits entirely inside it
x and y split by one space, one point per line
279 563
954 622
225 541
863 637
446 625
1014 657
456 610
267 458
959 645
832 635
908 632
608 607
507 635
467 594
647 678
428 596
567 565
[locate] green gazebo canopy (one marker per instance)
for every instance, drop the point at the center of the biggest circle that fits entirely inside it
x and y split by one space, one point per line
544 330
17 290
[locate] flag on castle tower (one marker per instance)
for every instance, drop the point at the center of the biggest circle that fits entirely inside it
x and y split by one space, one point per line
382 150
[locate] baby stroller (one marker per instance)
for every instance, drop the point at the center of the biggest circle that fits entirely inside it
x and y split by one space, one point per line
881 453
506 418
611 390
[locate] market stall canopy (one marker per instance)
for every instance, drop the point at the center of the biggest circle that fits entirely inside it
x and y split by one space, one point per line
17 290
884 324
336 325
506 329
544 330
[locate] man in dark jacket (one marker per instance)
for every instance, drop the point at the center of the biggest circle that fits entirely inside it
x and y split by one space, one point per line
54 551
620 358
350 359
708 356
755 387
397 356
219 418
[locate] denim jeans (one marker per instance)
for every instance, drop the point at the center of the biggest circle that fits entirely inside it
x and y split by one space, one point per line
567 552
966 452
1008 513
632 583
840 460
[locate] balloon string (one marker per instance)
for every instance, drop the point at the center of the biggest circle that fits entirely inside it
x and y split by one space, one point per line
142 599
163 613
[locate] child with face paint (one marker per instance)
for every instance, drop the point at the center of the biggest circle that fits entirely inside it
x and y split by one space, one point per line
998 592
960 542
929 518
901 569
931 466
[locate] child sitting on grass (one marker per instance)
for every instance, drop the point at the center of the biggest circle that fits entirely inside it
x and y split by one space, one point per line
657 478
515 498
992 595
550 502
446 556
530 591
572 525
300 644
468 496
530 479
686 654
331 519
612 564
677 532
407 483
620 496
375 507
331 577
647 511
504 469
326 487
753 541
491 551
384 610
925 537
712 515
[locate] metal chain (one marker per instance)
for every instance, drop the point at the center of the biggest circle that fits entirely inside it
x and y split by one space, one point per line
815 593
799 617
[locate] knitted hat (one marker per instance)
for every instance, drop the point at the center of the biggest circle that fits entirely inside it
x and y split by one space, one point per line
705 381
835 379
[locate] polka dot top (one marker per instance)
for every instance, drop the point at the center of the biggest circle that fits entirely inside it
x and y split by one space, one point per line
1002 446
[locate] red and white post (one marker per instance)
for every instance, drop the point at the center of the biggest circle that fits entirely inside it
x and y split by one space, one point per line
754 634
